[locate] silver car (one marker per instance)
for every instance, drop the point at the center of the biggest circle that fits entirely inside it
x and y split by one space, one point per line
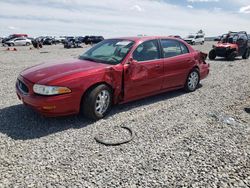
21 41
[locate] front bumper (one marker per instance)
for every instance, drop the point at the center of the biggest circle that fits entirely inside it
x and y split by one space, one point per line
51 106
223 52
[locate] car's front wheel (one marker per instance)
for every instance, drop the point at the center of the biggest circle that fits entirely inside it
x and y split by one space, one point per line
97 102
27 43
231 56
192 81
212 55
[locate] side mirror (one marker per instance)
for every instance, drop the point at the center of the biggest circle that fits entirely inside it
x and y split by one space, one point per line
131 61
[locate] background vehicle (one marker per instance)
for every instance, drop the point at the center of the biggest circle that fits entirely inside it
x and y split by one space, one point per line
232 45
59 39
113 71
93 39
195 39
176 36
13 36
72 43
21 41
48 41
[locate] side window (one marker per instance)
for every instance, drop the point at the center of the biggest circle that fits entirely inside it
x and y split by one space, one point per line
242 37
184 48
172 48
147 51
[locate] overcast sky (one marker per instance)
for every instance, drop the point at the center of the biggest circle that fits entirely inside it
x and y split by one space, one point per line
112 18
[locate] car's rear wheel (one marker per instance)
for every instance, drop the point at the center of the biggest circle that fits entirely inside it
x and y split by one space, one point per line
192 81
97 102
11 44
246 54
27 43
212 55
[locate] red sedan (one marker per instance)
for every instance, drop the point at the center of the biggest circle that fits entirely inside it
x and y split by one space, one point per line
113 71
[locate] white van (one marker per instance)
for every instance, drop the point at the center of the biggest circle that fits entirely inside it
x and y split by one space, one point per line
195 39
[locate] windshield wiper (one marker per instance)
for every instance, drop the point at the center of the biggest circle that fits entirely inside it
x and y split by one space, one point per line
90 59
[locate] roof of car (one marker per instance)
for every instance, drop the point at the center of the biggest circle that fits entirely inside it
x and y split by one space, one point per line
143 38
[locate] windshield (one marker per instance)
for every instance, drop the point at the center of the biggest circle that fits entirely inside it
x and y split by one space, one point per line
229 38
111 51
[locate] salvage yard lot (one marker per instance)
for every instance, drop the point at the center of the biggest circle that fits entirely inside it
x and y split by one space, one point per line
182 139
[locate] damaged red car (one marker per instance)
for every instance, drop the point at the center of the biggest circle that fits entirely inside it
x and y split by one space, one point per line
113 71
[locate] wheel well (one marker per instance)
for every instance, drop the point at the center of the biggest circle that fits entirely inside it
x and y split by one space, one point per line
196 67
92 87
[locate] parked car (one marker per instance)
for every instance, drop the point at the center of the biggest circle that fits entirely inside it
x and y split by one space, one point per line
83 39
176 36
48 41
113 71
13 36
93 39
59 39
72 43
21 41
195 39
231 45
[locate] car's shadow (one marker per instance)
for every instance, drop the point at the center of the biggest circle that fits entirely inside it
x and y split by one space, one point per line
225 60
22 123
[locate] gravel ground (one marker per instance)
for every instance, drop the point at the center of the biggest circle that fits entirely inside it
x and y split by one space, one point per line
199 139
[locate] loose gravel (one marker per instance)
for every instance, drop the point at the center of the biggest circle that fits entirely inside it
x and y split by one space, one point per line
181 138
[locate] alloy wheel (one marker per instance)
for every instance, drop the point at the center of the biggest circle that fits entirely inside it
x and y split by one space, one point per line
193 80
102 102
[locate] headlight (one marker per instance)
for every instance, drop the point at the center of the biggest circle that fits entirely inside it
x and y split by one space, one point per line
50 90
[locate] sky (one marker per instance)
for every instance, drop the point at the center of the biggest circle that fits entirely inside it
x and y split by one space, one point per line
116 18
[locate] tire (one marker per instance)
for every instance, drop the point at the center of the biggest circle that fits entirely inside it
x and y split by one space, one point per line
11 44
90 107
192 81
231 56
202 42
246 54
27 43
212 55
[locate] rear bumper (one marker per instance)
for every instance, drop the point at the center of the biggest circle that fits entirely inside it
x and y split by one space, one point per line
204 71
51 106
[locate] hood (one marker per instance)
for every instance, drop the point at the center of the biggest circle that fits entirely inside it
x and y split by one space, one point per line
225 45
48 72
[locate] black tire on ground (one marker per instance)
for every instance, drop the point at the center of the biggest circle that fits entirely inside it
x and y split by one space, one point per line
27 43
246 54
11 44
212 55
231 56
192 81
202 42
89 102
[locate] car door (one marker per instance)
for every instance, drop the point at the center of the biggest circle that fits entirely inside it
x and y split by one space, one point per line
17 42
144 74
242 43
178 61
